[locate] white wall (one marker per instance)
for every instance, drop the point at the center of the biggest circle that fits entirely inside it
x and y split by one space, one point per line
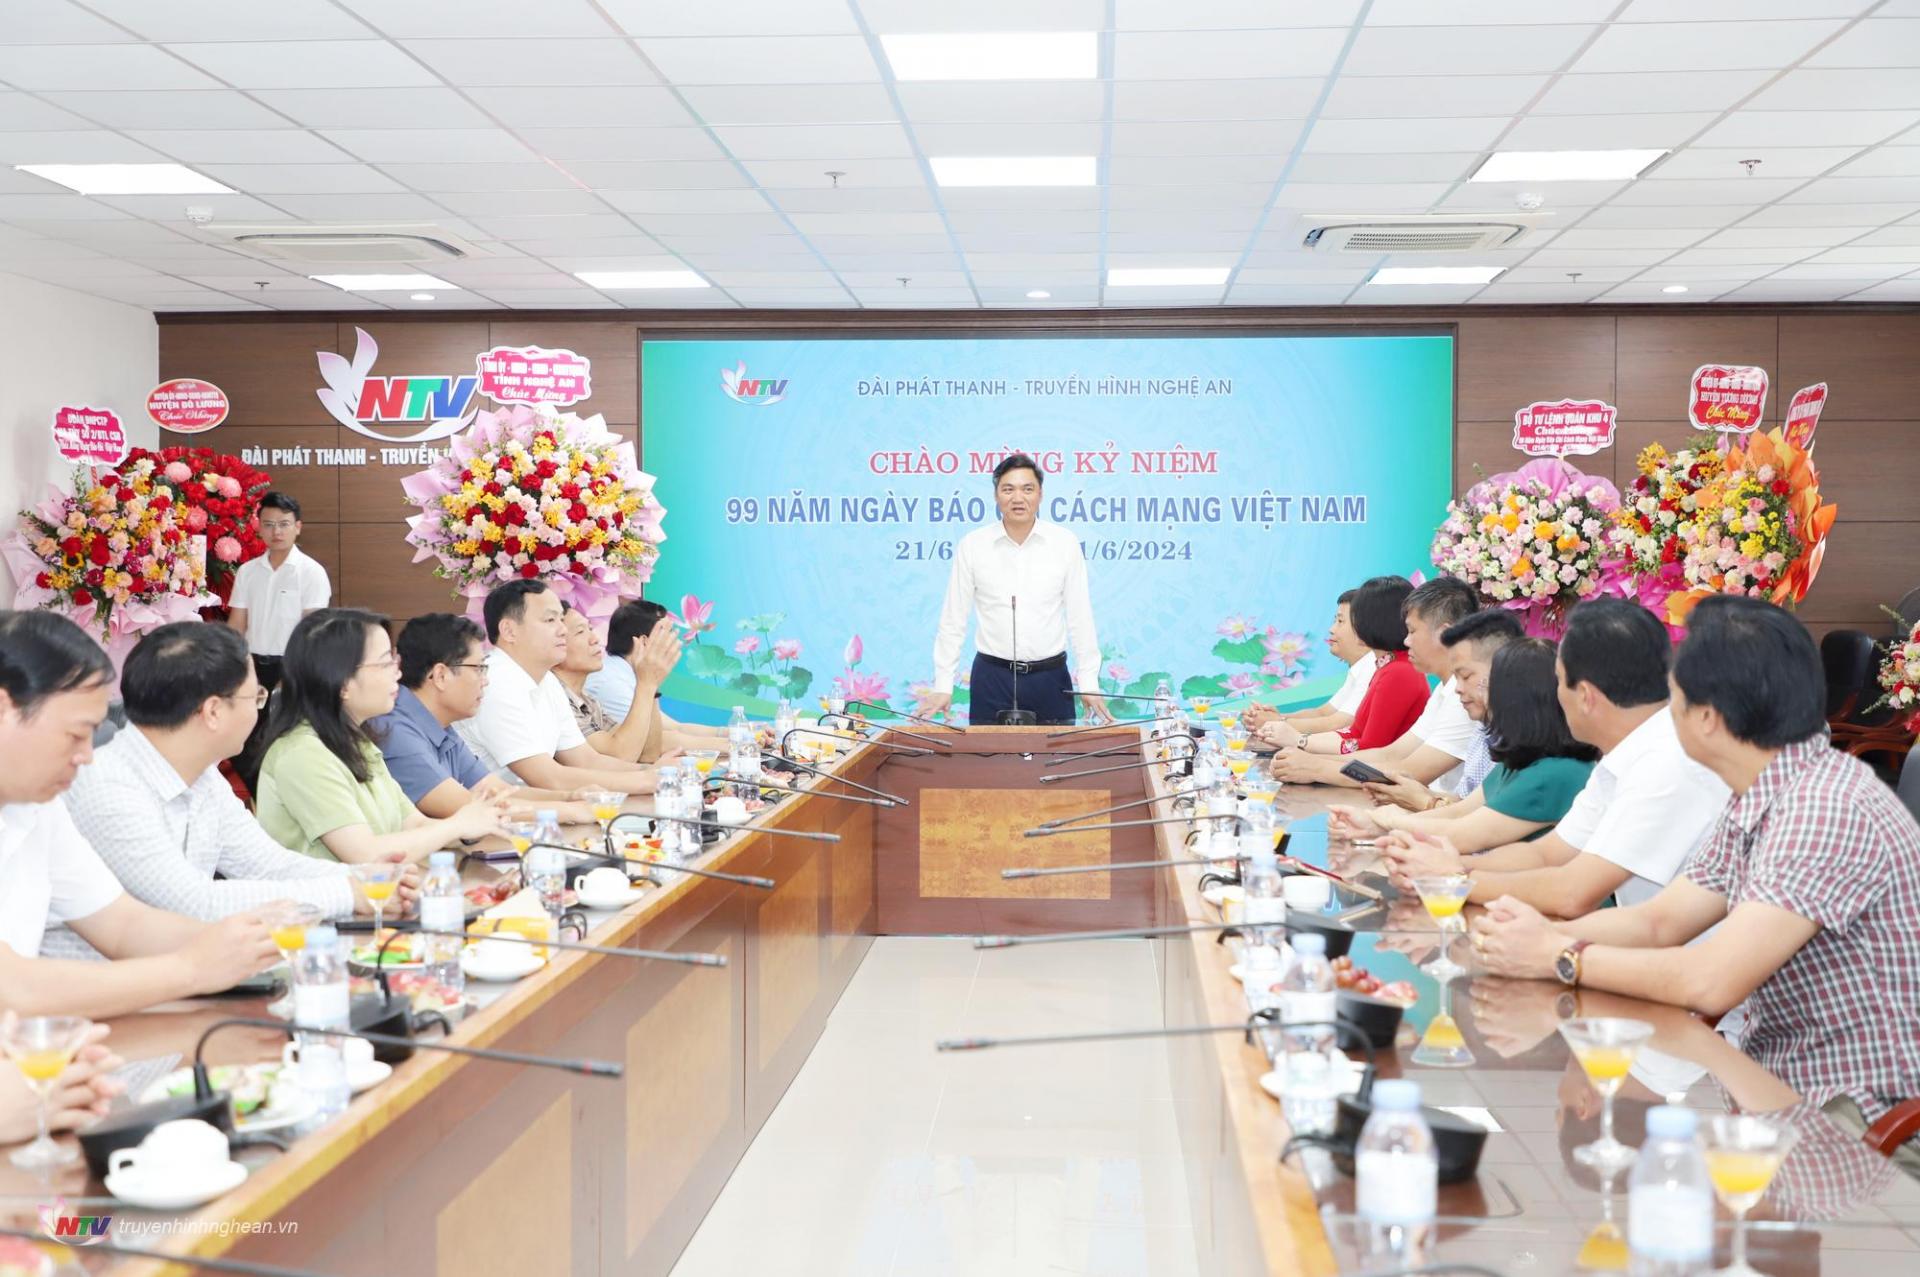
59 347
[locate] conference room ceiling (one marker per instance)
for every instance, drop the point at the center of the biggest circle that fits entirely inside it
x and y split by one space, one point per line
569 136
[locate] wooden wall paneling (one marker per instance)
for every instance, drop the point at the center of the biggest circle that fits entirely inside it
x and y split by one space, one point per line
376 570
423 349
372 493
788 995
267 369
1871 363
1505 363
613 348
1871 470
315 487
1658 354
1867 564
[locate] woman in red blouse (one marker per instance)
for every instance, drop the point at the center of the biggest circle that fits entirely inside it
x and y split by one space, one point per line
1398 692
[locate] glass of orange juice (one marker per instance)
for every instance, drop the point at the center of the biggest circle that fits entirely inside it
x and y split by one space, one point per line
1743 1152
378 880
41 1047
1442 1045
1238 761
521 835
1605 1047
605 805
1202 707
1444 896
704 761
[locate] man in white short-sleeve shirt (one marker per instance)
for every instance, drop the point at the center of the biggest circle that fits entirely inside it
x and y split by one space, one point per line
1646 806
525 723
271 593
54 683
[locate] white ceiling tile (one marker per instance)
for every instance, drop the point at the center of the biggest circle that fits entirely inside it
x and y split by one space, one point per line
1877 43
553 299
521 203
672 299
241 146
563 248
974 102
1153 295
1219 195
996 282
302 179
1703 46
583 106
796 103
1238 221
829 59
178 109
1459 13
1018 242
629 144
1580 237
894 264
1894 290
332 299
1808 128
1362 197
232 20
1463 50
1172 258
1901 235
1704 216
1793 161
1241 137
75 146
1051 138
101 66
429 146
1876 254
1229 15
14 182
306 64
327 207
967 222
559 63
916 298
1017 197
629 261
1731 191
1502 293
796 298
1603 132
1385 136
20 112
530 175
1566 259
797 279
374 108
1181 55
917 16
58 22
1796 290
604 175
1289 294
1653 290
833 247
1739 10
765 222
1184 169
1501 197
1403 96
1440 166
170 209
762 17
815 141
546 225
1826 215
1349 276
1754 256
1590 274
642 203
829 224
1013 263
549 280
1803 237
1629 91
1885 161
1162 100
1859 190
54 209
425 19
859 173
1811 90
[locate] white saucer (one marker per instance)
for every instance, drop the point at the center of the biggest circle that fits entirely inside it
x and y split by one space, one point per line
612 903
1346 1075
504 970
372 1074
1217 896
172 1195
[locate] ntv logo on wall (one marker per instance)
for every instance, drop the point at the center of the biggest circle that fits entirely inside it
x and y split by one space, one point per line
758 391
359 400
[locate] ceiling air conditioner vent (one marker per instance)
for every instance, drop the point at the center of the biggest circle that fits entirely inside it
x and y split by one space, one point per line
1380 236
365 245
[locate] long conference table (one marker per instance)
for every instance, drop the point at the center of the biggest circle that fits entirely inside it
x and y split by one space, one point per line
457 1166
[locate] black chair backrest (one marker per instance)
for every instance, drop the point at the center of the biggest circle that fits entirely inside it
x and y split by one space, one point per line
1909 610
1852 663
1909 787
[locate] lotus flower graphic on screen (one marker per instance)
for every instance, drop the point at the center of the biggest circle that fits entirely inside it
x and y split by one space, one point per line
1283 650
854 651
855 686
696 618
786 649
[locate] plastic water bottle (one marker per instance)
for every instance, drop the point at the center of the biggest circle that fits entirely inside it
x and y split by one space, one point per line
321 1000
443 907
784 721
677 840
1308 998
547 869
1264 909
1670 1199
739 736
1397 1174
1261 966
1163 704
1258 822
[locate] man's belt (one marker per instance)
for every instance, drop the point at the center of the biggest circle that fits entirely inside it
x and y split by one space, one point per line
1041 666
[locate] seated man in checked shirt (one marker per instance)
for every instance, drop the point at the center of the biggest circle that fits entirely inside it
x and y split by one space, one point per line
159 813
54 684
1812 874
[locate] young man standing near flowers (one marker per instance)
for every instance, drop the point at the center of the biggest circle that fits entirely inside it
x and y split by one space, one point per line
272 592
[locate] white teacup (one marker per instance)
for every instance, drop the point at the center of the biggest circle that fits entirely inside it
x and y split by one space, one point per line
1307 892
187 1150
604 883
730 811
499 953
356 1052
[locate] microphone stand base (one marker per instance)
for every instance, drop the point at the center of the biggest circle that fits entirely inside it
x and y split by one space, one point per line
1017 718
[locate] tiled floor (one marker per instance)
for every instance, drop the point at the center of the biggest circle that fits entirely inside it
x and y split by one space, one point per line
888 1158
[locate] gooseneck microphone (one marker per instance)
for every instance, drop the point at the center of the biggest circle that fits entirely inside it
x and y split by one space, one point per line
912 718
892 800
651 955
1124 864
1048 831
875 744
723 782
1061 822
1121 933
1051 777
1107 727
1166 1031
1014 716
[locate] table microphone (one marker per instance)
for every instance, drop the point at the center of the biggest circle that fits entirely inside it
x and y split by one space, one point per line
1124 864
913 718
1063 821
203 1086
653 955
1101 771
1122 933
1107 727
876 744
1247 1027
1014 716
99 1246
1048 831
723 782
894 800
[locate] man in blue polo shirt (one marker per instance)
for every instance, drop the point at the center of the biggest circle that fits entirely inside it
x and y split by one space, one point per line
443 675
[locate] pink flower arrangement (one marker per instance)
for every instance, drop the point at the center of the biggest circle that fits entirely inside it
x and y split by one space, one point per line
178 472
227 550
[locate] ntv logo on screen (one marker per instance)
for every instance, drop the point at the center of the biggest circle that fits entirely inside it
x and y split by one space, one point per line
758 391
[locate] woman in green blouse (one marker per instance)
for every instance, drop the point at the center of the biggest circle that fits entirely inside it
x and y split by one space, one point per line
1539 767
324 787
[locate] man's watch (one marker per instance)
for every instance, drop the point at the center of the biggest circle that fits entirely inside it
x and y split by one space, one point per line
1567 965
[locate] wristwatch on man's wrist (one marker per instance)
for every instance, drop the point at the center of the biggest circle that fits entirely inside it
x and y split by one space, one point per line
1567 965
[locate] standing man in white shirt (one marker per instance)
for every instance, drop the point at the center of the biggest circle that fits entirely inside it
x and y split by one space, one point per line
271 593
1026 581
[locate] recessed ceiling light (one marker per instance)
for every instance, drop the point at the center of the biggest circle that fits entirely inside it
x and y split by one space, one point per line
1674 288
1435 274
421 297
1167 276
1564 166
1019 55
1013 170
128 179
1038 294
618 279
383 283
